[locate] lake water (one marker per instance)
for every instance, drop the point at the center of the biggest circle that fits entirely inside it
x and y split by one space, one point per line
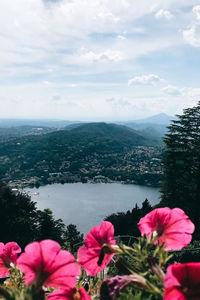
86 205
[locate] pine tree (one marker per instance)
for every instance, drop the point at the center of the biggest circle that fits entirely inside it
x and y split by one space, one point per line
18 216
181 185
22 222
73 237
48 227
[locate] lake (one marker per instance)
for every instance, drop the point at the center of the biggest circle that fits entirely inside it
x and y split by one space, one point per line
86 205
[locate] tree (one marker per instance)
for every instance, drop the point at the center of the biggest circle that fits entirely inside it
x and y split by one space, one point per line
48 227
181 185
126 223
73 237
20 221
17 217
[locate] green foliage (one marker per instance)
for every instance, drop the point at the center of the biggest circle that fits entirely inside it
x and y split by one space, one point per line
66 152
18 217
181 185
187 254
73 237
126 223
48 227
22 222
129 293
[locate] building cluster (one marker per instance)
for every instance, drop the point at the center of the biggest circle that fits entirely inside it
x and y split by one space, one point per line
141 164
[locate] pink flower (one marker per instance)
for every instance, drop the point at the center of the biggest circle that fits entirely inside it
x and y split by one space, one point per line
8 255
182 282
98 249
69 294
171 226
44 263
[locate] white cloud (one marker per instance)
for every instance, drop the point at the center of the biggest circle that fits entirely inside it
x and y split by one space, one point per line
171 90
46 82
104 104
191 35
108 15
164 14
69 47
51 32
71 85
118 102
150 79
196 11
108 55
194 93
121 37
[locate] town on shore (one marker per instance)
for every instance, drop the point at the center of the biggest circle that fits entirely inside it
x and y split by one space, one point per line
142 165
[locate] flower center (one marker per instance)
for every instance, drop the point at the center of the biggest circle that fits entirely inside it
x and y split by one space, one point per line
191 292
76 296
159 229
6 261
41 278
106 249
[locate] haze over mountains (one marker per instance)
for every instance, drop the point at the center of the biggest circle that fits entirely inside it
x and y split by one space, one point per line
161 118
154 127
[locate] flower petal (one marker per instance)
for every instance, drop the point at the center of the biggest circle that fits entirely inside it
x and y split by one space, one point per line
69 294
62 294
65 276
173 294
8 255
31 259
100 235
179 221
45 264
182 281
89 259
173 227
4 271
88 255
175 241
11 251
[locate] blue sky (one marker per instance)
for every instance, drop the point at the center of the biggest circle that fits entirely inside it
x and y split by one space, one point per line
98 59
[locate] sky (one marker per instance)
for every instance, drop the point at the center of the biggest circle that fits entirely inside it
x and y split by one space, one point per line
98 60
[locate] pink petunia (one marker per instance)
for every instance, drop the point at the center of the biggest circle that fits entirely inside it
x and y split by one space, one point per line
182 282
69 294
171 226
44 263
8 255
98 249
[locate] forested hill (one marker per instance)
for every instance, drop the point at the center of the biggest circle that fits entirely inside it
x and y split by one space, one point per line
86 138
68 150
117 136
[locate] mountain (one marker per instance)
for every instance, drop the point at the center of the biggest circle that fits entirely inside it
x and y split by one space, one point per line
8 123
154 127
161 119
152 131
67 150
112 133
18 131
97 137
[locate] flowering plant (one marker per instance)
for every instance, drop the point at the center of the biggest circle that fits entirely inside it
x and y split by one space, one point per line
45 271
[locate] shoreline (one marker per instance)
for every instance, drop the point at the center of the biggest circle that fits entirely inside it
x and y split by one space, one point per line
20 185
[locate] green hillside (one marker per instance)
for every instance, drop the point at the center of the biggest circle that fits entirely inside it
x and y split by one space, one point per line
67 150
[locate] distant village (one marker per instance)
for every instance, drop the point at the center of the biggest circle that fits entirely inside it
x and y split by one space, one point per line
141 165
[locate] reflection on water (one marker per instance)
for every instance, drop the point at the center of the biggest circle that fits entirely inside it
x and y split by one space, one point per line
86 205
